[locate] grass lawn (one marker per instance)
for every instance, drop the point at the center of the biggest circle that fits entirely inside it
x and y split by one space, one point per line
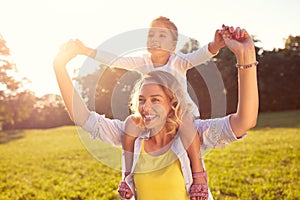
264 165
54 164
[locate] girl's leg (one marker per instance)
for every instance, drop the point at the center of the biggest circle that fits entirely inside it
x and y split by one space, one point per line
132 131
128 149
191 142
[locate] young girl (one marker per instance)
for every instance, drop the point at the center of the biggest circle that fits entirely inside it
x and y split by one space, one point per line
161 44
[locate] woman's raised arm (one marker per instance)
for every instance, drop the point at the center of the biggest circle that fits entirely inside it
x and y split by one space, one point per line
241 44
76 107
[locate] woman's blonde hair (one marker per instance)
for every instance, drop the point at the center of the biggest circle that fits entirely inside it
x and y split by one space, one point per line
173 90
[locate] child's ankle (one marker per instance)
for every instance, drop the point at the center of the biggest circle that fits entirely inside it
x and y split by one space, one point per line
126 174
199 177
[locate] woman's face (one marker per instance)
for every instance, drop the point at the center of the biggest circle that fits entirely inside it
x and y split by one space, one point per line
160 39
154 106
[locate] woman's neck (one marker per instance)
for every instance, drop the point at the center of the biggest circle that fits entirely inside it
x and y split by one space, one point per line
158 142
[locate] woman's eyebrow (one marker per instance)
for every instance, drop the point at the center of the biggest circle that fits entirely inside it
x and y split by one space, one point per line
156 95
153 95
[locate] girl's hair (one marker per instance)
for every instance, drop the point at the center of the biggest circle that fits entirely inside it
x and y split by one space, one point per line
168 24
173 90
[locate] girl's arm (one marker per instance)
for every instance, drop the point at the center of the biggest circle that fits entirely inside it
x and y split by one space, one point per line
82 49
108 58
204 53
131 132
74 103
241 44
215 46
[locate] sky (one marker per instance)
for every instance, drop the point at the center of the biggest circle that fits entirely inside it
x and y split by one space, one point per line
35 29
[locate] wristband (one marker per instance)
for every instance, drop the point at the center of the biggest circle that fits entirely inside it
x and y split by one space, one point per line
246 66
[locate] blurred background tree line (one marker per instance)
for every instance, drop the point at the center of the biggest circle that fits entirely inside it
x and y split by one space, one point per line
107 90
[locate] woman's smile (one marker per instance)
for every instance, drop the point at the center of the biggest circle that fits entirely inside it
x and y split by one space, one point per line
154 106
155 118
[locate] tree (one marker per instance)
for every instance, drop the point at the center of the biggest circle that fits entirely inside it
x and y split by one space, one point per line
107 90
292 43
12 94
48 111
190 46
278 76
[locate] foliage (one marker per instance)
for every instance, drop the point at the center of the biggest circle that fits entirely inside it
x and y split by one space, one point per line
292 43
18 108
47 111
99 87
53 164
9 87
278 76
190 46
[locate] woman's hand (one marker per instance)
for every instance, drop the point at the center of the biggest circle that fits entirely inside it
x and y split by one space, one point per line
240 43
66 53
74 104
84 50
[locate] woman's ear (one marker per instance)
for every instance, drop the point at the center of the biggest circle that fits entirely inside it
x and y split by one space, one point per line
174 104
171 114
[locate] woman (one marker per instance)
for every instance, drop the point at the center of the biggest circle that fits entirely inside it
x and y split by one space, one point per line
213 132
159 106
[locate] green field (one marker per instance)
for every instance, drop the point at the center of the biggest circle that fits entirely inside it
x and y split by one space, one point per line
54 164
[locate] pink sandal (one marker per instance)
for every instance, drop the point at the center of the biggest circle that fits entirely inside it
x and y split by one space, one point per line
124 190
199 190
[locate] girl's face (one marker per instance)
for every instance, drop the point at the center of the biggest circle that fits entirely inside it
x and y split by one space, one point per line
160 39
154 106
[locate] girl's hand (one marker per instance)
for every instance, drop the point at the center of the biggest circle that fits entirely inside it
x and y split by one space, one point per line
218 39
218 42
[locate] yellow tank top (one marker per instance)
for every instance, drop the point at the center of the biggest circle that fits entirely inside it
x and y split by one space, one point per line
159 177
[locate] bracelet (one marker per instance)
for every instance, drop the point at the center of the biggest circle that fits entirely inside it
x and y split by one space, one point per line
246 66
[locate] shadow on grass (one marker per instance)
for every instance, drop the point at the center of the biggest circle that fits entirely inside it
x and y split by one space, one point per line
7 136
286 119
